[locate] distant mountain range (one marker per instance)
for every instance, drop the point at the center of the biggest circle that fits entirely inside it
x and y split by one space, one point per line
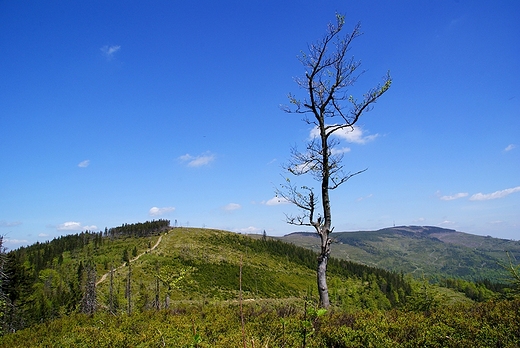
424 251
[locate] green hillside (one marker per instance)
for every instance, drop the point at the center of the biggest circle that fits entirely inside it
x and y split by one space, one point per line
181 265
423 251
154 286
209 263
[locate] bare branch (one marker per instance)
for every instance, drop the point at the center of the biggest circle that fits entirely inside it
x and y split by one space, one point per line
303 198
337 181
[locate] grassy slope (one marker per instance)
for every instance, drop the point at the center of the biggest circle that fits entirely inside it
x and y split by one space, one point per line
205 302
212 260
421 251
213 269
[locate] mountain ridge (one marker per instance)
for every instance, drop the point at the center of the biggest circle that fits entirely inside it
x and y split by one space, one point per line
430 251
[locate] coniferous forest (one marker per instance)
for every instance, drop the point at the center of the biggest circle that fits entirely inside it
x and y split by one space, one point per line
149 285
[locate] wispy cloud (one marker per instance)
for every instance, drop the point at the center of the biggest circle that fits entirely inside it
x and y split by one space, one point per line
197 161
75 226
363 198
510 147
84 164
109 51
15 241
448 223
496 222
155 211
339 151
454 197
276 201
495 195
69 226
4 223
351 135
250 229
232 206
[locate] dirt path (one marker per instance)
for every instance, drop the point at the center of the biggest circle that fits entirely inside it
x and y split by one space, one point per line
104 276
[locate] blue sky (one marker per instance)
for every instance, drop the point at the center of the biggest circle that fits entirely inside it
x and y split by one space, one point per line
116 112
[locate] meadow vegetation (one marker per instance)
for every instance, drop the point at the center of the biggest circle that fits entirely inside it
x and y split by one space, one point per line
282 324
185 292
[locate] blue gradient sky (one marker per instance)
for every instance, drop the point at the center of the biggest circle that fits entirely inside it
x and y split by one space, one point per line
116 112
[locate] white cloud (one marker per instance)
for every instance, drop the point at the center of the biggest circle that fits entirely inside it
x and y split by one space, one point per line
15 241
365 197
109 51
447 223
335 151
75 226
232 206
496 222
84 164
497 194
453 197
351 135
510 147
303 167
276 201
43 235
197 161
154 211
4 223
250 229
69 226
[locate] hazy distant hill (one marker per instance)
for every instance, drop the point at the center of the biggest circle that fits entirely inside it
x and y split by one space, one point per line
420 250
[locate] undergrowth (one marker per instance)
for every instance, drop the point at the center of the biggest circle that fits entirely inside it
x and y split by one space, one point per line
282 324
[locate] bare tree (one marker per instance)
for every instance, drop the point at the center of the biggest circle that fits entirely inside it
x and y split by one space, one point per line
89 302
3 295
111 306
328 106
128 291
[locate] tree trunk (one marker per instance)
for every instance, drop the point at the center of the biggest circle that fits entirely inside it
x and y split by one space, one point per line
129 289
321 273
111 290
88 302
325 229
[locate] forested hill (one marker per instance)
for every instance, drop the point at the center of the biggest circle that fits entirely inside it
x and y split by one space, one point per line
189 287
425 251
42 255
91 272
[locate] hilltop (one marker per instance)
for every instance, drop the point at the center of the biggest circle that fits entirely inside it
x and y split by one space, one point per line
427 251
191 287
139 267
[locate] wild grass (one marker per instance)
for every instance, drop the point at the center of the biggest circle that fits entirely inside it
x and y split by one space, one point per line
282 324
